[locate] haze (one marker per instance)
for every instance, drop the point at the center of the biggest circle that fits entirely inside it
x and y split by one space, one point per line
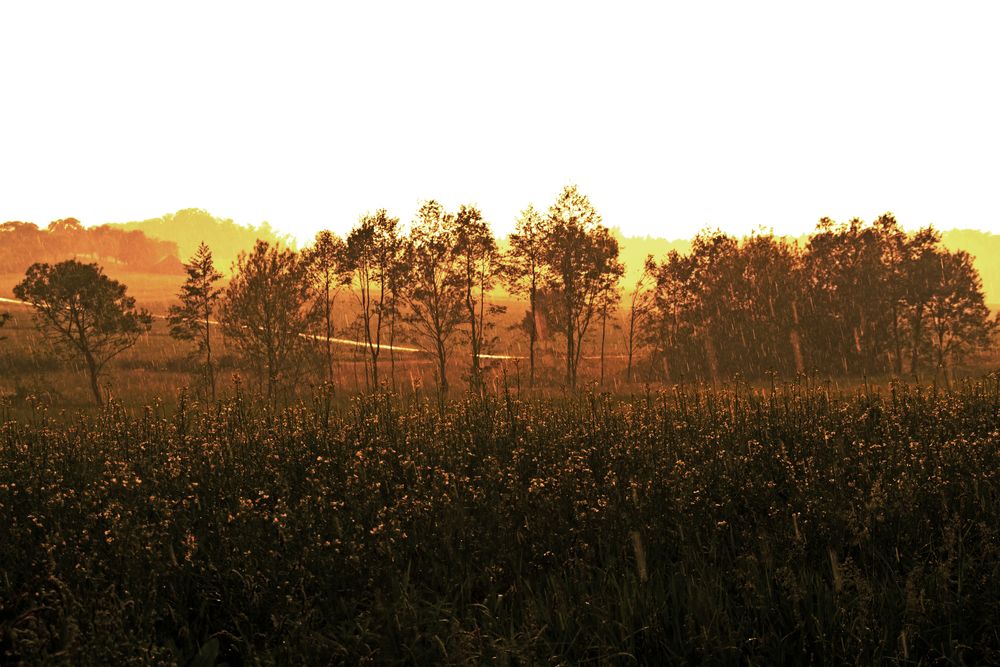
670 117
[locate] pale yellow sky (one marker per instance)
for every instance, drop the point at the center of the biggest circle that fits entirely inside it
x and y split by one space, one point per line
671 116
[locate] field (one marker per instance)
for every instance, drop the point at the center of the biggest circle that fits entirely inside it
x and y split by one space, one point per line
733 526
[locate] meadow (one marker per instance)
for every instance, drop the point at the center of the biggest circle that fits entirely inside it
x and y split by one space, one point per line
793 525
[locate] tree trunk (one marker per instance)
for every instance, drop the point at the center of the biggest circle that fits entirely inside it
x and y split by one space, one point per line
329 334
208 358
442 372
392 348
532 335
570 357
474 336
92 371
918 317
604 327
897 343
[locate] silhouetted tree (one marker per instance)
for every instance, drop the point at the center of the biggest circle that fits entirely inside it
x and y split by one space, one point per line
958 316
922 277
764 299
581 260
607 302
893 241
192 318
84 313
851 291
328 272
728 307
478 265
434 292
523 272
640 305
266 311
372 254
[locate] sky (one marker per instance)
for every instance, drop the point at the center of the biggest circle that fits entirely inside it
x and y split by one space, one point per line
672 117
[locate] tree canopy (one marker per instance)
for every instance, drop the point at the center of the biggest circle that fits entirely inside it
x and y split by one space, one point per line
84 313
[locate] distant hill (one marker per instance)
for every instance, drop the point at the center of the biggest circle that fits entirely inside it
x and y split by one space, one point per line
191 226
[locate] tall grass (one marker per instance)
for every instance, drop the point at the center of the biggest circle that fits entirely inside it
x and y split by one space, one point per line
731 526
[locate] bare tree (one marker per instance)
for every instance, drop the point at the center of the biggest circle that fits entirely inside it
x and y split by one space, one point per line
434 293
266 311
191 319
85 313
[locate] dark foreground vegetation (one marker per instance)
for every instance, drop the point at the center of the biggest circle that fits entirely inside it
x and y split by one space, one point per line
787 526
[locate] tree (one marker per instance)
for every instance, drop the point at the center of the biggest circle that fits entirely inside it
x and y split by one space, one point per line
958 316
434 293
192 318
266 311
892 242
372 255
84 313
922 276
640 305
581 259
851 287
523 272
328 273
478 266
608 301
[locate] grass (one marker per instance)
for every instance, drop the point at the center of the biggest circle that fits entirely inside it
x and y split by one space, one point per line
731 527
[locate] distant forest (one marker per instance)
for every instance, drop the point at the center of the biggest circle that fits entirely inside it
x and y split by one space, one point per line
24 243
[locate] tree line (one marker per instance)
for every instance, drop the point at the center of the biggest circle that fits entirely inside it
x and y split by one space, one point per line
856 298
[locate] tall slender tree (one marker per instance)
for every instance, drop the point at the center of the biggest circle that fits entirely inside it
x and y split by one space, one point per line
607 303
266 312
192 318
372 254
581 259
640 302
478 265
326 262
922 277
523 272
958 316
435 290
